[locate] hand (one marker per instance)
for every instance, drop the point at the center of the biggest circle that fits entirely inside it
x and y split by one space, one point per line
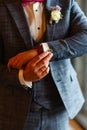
21 59
38 67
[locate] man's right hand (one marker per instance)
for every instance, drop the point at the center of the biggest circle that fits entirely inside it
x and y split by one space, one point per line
38 67
22 59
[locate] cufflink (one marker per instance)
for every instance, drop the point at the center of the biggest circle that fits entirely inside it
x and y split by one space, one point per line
43 47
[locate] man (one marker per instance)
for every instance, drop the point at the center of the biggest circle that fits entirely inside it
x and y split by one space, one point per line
25 27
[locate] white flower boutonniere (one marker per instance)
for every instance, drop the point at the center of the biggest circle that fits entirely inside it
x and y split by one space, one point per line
55 14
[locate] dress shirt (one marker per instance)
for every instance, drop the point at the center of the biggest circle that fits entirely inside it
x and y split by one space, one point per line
36 19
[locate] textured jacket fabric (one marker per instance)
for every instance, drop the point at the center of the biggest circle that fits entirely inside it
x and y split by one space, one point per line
46 95
68 39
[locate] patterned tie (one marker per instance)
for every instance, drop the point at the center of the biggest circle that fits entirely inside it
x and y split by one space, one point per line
25 2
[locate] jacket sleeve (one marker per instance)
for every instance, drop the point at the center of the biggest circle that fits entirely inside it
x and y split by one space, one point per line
76 43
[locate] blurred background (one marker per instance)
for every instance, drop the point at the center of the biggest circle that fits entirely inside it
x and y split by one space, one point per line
80 65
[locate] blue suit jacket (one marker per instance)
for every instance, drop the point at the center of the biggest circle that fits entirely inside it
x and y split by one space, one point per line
68 39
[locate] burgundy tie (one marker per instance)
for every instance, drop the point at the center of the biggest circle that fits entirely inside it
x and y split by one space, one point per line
25 2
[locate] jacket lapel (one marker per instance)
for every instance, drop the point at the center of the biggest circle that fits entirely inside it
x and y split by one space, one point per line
17 13
16 10
50 3
50 28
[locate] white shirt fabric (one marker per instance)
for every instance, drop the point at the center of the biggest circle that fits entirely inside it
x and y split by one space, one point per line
36 19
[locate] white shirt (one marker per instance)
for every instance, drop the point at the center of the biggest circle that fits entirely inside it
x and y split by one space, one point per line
36 19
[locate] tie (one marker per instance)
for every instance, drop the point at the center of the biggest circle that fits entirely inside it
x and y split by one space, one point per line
25 2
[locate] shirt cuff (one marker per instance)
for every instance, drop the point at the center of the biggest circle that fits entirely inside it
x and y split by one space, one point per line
55 56
46 47
25 84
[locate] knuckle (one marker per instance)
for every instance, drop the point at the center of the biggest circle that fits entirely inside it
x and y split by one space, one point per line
35 70
38 76
47 70
43 62
46 65
32 66
39 57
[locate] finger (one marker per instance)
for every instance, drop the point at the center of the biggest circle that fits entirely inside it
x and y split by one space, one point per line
9 65
44 61
11 61
19 64
45 72
42 64
13 64
48 57
42 69
39 58
42 73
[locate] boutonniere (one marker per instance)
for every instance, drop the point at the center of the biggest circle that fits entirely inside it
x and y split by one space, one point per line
55 14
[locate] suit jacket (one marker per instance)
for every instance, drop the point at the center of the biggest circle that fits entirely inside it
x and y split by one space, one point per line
68 39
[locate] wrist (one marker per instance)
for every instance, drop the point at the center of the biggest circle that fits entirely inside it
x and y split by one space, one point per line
23 81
